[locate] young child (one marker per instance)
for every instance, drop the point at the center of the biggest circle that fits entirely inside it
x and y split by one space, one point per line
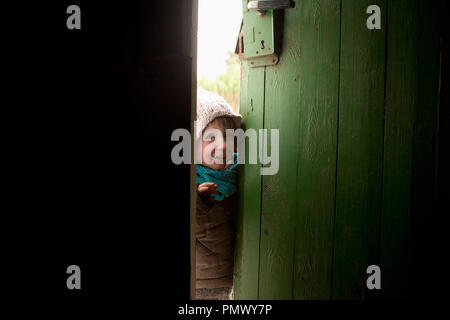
216 198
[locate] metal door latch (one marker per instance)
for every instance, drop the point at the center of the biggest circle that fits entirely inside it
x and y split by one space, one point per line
261 6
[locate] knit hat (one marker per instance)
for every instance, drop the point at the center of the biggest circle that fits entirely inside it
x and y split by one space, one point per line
211 106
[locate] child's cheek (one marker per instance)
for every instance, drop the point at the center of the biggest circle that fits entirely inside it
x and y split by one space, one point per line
199 152
206 154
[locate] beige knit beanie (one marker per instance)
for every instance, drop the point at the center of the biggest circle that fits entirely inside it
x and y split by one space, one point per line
211 106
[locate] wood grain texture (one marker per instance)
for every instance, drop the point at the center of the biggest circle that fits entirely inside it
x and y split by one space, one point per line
402 89
318 34
360 147
248 233
426 217
279 191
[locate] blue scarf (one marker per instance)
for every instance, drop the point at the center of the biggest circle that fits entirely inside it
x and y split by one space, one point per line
226 180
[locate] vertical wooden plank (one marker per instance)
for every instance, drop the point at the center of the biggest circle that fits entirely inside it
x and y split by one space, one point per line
442 175
248 232
318 37
402 87
360 147
192 11
426 217
279 195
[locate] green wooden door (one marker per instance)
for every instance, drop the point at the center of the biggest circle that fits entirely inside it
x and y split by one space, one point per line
357 115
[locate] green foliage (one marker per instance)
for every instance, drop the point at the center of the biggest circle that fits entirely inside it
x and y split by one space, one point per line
227 84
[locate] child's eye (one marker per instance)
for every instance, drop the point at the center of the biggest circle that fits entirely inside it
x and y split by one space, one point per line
209 137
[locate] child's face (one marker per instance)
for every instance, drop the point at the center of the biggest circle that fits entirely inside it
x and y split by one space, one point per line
214 146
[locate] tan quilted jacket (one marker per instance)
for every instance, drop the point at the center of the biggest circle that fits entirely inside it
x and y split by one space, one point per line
215 233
